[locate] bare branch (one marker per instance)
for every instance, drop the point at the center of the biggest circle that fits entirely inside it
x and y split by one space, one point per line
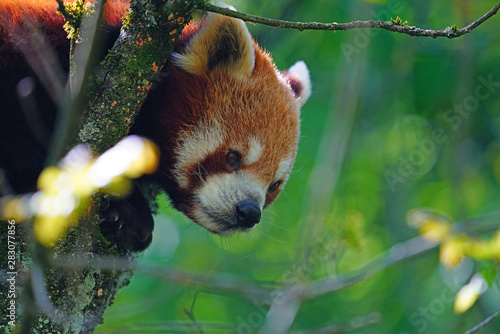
70 108
259 291
173 327
450 32
398 253
350 326
62 10
483 323
219 282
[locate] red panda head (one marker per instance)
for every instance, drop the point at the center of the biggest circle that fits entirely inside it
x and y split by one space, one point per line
229 125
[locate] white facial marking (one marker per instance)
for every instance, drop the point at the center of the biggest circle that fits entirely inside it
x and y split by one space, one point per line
194 147
217 197
255 151
284 167
203 219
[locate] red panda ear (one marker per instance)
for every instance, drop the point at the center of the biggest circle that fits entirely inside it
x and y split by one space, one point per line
221 43
298 79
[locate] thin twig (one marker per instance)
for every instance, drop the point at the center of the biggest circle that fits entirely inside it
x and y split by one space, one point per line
172 327
219 282
190 313
390 26
60 7
398 253
259 291
223 283
82 59
472 226
356 324
484 323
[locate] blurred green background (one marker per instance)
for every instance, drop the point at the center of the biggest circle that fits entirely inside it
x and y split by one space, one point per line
394 123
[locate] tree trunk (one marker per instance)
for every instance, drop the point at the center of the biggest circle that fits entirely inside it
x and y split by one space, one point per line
78 297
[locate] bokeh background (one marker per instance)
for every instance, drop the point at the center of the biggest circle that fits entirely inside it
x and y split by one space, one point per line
394 123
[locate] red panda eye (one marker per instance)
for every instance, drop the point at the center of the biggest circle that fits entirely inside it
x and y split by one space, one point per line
233 159
272 188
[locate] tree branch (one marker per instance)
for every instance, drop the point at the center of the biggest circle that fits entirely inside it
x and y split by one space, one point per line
73 300
398 253
220 282
483 323
450 32
357 324
62 10
259 291
285 296
130 69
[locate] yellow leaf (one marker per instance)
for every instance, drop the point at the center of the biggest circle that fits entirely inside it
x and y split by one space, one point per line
119 186
435 230
47 179
146 162
452 252
431 225
13 209
50 229
468 294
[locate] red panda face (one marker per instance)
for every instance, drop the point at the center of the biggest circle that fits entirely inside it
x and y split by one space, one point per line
225 119
232 120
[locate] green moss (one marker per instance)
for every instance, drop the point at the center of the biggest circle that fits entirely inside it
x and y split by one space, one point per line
144 57
76 10
81 290
115 97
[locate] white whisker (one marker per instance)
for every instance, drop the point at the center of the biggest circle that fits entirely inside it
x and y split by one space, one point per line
267 235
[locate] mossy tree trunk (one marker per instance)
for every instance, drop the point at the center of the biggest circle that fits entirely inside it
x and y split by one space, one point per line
80 295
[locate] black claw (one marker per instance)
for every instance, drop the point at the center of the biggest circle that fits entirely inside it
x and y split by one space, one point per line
131 220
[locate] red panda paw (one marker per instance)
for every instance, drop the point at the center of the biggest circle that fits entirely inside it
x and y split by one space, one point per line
131 221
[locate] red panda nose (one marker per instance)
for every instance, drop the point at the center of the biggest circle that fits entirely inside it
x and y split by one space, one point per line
247 213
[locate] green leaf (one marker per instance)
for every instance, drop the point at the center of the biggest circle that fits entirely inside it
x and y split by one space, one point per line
489 271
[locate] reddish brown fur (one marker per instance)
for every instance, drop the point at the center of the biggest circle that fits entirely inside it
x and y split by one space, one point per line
21 23
15 13
262 106
187 33
255 108
17 17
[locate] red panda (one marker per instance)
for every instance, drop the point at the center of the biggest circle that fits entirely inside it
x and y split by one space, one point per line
225 119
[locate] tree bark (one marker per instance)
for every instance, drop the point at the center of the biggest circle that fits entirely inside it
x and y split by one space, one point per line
77 298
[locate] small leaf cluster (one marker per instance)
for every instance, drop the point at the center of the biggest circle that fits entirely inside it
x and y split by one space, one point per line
127 19
66 189
454 247
398 21
76 12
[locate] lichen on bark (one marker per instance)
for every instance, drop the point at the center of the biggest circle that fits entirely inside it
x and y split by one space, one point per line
130 69
81 295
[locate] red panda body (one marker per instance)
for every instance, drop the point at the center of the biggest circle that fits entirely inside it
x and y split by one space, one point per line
22 150
226 122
